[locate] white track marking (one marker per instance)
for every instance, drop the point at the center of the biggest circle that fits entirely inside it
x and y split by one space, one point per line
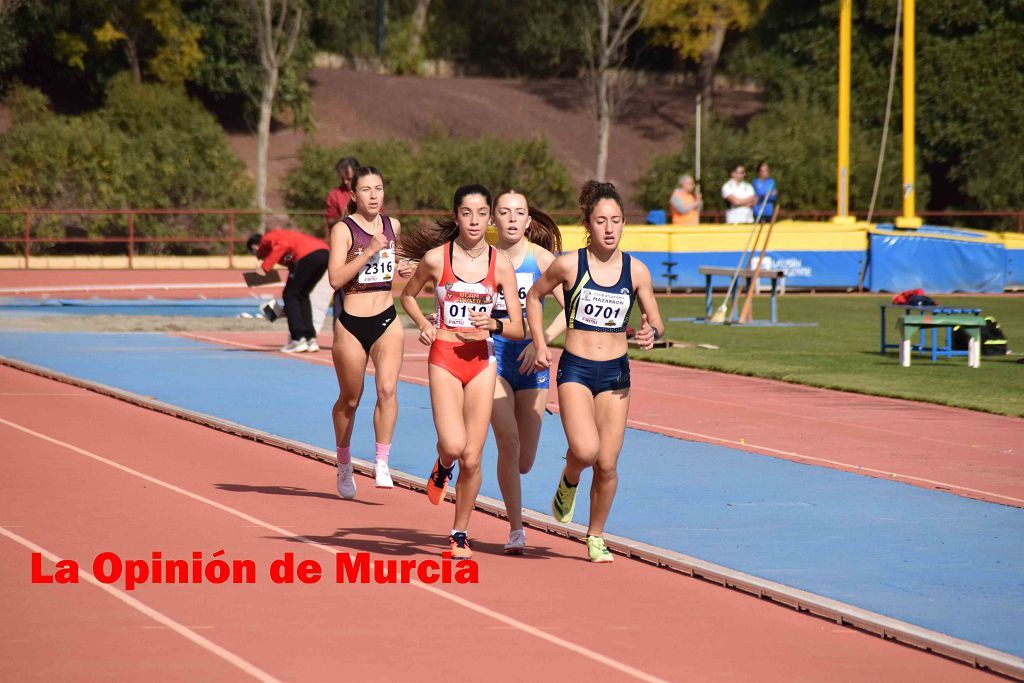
159 617
123 288
468 604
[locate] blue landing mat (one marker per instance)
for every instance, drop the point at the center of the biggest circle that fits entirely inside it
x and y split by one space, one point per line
936 560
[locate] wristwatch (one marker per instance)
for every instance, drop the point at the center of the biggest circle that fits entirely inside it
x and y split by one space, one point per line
500 327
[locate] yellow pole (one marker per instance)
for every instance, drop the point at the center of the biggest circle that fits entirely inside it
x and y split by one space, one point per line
909 219
843 157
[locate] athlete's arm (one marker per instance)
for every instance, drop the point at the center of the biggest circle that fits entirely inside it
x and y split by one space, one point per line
528 356
340 272
428 270
651 328
505 274
551 279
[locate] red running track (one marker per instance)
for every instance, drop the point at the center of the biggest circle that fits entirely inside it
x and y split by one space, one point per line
972 454
84 474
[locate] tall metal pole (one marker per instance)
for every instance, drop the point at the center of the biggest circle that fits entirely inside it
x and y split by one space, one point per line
697 143
843 156
909 219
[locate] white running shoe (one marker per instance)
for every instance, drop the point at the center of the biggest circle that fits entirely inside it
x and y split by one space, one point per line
312 346
383 475
295 346
346 483
516 542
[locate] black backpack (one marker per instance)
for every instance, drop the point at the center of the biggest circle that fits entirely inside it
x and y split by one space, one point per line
993 341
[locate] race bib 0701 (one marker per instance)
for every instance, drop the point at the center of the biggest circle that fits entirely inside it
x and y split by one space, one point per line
458 304
380 268
602 309
523 281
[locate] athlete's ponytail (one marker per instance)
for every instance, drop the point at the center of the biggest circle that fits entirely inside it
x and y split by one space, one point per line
413 245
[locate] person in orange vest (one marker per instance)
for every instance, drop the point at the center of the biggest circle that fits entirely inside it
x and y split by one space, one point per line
685 202
305 257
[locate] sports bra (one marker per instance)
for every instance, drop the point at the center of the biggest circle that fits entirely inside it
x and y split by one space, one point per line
527 273
590 306
378 273
456 298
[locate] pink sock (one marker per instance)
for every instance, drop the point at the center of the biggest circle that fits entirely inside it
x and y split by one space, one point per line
383 450
344 457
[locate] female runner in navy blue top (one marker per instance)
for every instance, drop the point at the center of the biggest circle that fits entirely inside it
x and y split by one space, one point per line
600 283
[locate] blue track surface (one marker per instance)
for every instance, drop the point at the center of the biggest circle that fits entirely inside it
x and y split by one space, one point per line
943 562
200 308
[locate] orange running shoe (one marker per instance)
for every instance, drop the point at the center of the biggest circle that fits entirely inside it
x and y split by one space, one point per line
437 482
461 547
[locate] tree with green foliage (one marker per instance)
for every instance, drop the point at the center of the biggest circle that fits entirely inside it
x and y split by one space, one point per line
149 146
797 137
969 84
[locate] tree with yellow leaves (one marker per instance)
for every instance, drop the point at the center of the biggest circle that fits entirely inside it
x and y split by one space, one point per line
696 30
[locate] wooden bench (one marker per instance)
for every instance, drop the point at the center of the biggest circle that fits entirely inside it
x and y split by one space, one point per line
912 323
777 277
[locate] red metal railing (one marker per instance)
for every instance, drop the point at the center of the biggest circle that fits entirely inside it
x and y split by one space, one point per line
130 237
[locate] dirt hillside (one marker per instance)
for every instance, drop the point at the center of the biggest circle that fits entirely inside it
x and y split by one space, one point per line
350 104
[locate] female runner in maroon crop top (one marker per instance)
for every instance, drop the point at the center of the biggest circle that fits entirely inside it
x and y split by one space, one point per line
362 265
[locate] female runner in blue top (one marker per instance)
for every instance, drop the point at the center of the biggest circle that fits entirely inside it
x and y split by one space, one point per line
527 237
600 282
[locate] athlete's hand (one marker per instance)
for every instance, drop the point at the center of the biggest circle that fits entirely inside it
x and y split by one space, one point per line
405 268
378 242
261 272
528 356
481 320
427 334
542 360
645 335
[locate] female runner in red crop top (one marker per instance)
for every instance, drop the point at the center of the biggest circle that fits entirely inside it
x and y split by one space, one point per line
467 274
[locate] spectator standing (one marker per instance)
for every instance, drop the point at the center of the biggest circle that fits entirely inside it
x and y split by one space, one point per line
767 194
685 202
339 197
739 197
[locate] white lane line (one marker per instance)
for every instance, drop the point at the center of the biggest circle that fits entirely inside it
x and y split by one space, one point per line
122 288
159 617
468 604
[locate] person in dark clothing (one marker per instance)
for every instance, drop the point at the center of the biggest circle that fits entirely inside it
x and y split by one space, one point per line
305 257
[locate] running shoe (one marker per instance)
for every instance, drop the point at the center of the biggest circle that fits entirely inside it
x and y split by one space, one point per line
295 346
597 550
461 547
564 502
346 482
516 542
438 482
382 475
312 346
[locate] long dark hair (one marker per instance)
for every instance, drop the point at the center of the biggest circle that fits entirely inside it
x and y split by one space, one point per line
543 230
360 173
593 192
414 245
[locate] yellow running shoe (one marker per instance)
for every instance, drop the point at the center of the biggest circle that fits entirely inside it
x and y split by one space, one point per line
597 550
564 502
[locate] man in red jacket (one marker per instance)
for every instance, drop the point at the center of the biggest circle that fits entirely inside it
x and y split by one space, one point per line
305 257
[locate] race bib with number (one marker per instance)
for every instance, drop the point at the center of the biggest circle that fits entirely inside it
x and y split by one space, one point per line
459 303
523 281
602 309
380 268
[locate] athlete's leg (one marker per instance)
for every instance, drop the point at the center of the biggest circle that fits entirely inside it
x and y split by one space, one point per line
611 408
446 400
506 436
350 367
529 416
386 354
576 405
476 414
